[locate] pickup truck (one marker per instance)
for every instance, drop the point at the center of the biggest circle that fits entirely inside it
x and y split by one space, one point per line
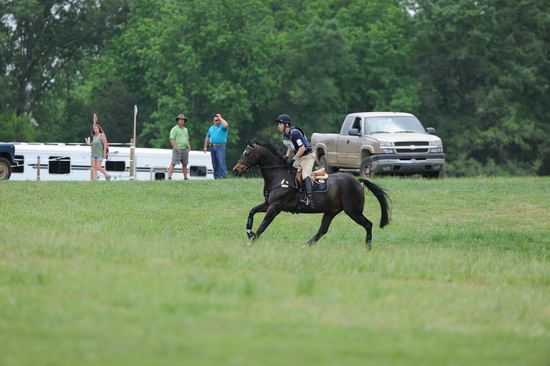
7 159
380 143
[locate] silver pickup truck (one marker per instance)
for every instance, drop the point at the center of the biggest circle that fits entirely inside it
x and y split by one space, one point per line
7 160
381 143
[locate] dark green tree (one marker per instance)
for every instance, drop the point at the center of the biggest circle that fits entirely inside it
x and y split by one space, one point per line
14 128
197 58
41 46
483 73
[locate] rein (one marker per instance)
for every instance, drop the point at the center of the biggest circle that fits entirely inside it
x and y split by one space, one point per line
266 167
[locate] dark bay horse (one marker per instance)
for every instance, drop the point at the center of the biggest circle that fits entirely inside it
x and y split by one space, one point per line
344 193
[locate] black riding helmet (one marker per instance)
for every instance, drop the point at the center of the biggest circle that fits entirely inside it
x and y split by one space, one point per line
283 118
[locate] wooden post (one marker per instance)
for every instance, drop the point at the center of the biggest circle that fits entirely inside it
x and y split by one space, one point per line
133 148
38 168
132 159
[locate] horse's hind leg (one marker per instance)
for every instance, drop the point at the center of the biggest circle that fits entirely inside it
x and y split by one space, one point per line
359 218
325 223
250 221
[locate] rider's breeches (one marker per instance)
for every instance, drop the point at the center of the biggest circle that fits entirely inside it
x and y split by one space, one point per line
305 163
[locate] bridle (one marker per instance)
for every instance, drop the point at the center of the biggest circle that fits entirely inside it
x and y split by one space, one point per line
246 168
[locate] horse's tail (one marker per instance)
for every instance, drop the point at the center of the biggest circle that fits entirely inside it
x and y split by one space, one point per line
383 199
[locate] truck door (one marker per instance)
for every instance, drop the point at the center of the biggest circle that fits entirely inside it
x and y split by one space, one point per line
349 152
341 140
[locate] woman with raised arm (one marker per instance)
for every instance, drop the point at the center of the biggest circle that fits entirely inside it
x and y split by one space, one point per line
99 151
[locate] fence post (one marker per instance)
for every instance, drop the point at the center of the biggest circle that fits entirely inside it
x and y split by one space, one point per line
132 159
38 168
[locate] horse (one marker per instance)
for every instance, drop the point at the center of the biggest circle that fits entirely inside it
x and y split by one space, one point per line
282 193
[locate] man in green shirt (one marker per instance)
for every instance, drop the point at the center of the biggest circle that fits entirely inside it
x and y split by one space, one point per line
179 139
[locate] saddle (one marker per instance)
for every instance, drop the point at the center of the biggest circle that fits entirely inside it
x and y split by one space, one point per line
294 180
319 182
319 174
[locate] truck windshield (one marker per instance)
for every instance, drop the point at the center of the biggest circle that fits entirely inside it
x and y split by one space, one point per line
391 124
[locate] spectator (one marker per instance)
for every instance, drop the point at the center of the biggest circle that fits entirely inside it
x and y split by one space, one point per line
99 151
216 138
179 139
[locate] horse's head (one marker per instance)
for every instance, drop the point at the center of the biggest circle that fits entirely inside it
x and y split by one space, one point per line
247 160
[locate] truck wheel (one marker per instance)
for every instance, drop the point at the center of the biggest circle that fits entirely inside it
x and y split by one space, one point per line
5 169
439 174
323 164
442 172
365 169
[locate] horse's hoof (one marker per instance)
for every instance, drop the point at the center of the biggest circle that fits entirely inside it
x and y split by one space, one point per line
369 245
251 240
309 244
251 235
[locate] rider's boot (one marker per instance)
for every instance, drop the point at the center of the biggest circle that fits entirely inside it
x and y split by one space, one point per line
309 196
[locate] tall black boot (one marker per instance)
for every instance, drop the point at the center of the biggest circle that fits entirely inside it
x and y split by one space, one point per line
309 195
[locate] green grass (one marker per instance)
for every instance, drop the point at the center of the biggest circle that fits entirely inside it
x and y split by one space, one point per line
97 273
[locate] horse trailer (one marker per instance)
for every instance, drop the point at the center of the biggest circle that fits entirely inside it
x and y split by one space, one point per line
72 162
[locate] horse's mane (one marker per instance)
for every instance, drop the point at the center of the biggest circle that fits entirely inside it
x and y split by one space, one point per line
271 149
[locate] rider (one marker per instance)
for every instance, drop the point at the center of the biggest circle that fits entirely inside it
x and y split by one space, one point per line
296 141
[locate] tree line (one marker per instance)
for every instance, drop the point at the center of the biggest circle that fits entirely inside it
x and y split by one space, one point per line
476 70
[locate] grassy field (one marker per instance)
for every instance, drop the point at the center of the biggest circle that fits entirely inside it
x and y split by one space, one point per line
129 273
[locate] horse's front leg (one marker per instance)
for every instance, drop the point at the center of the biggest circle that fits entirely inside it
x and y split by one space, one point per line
271 213
250 221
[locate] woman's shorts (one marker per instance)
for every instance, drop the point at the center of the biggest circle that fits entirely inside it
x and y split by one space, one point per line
96 158
181 157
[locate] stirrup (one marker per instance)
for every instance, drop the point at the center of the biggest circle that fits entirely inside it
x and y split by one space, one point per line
307 202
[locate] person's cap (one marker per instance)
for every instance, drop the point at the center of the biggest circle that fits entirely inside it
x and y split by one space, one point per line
283 118
181 116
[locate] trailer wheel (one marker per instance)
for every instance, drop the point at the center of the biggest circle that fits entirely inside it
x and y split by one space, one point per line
5 169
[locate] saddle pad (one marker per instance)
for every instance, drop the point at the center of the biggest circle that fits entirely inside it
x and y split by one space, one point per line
320 186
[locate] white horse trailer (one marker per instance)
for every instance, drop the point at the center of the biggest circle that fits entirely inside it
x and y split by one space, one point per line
73 162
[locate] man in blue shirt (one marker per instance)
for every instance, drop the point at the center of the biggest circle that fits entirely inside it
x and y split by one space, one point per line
216 138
